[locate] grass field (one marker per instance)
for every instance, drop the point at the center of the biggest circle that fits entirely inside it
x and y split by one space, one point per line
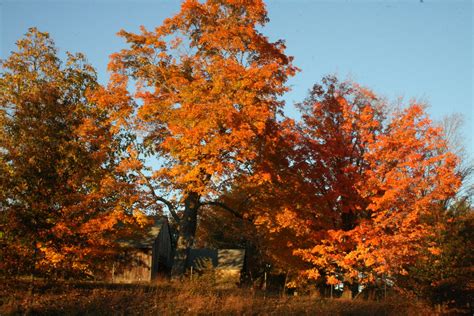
180 298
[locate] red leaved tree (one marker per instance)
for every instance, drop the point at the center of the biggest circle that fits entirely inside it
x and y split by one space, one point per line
376 186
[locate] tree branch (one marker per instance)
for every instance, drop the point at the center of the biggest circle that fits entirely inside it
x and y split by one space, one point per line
170 205
225 207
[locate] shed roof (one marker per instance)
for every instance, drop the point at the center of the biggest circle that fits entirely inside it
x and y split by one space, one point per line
145 239
225 259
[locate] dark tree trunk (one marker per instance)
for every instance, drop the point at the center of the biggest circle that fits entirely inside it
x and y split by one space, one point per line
186 234
348 220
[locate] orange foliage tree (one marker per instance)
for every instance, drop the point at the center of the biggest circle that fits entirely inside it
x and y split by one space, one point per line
374 186
312 167
207 90
61 198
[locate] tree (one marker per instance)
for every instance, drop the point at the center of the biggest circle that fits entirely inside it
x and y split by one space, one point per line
339 121
451 126
444 277
61 199
370 190
207 90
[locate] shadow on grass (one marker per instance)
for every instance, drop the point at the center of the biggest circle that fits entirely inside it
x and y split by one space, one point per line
179 298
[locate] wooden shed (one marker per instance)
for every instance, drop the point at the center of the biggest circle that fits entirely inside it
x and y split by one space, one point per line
227 264
146 257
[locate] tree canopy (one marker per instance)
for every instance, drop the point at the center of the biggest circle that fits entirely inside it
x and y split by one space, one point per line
61 197
207 93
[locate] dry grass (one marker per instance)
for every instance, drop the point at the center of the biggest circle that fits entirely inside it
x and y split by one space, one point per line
179 298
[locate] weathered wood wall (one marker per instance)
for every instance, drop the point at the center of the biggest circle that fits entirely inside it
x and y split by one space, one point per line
137 270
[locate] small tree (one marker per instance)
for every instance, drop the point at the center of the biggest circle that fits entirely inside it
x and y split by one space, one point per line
444 277
60 195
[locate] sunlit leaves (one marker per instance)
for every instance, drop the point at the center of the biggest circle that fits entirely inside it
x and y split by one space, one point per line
61 198
207 82
369 185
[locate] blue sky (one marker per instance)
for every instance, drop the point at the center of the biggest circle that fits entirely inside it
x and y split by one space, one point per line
396 47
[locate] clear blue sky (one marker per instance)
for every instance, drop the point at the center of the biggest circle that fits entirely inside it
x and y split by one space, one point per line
396 47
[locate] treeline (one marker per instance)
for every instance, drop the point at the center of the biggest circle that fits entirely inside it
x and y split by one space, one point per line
191 126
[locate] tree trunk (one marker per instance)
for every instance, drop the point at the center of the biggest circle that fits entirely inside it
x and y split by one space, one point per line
347 292
186 234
